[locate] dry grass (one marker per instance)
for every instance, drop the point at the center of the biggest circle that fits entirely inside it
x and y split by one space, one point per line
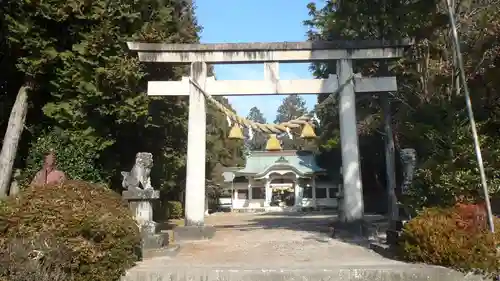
33 261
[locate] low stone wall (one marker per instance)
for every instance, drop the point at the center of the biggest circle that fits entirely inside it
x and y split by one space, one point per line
333 273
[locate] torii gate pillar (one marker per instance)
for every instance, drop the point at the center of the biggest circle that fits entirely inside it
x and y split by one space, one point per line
352 208
196 149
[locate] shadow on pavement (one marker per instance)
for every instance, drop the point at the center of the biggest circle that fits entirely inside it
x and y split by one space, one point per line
323 226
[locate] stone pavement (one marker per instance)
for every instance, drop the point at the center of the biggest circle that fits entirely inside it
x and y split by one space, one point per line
286 246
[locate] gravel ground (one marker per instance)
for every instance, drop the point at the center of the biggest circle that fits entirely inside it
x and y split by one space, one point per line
271 240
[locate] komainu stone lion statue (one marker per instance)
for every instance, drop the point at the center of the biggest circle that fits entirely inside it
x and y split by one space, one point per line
139 176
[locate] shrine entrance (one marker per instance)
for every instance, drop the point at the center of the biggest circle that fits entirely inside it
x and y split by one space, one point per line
199 87
283 192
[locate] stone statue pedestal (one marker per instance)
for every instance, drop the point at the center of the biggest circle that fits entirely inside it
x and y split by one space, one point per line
140 201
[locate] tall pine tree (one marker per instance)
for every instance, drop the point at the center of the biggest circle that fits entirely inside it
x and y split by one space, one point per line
258 142
292 107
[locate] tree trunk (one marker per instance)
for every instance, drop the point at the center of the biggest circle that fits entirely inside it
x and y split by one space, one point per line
11 139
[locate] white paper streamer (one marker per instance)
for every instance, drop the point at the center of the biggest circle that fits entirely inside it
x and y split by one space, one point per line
250 132
290 136
229 123
316 119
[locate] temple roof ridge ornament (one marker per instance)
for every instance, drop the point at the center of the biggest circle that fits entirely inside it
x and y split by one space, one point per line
282 160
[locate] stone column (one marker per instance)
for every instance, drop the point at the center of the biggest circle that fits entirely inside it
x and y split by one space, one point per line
313 184
195 174
352 204
298 199
269 193
250 192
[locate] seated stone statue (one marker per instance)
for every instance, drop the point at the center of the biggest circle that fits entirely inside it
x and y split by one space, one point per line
48 174
139 176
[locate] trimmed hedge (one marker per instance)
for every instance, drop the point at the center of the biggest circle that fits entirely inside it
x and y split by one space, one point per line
90 228
174 210
455 237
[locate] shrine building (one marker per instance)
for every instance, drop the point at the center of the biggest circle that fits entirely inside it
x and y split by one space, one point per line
279 181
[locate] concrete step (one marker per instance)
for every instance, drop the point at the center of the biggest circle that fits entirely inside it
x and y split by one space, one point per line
382 249
405 272
193 233
168 251
155 241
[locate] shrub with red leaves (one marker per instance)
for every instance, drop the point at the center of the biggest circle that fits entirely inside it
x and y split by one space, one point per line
455 237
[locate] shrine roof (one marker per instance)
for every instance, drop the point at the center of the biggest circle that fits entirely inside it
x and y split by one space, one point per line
260 163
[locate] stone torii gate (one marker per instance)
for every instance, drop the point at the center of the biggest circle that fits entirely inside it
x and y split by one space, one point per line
271 54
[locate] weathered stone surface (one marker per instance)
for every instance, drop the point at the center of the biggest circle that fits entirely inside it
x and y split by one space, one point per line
190 233
140 203
272 46
141 194
331 273
148 227
139 175
155 241
409 162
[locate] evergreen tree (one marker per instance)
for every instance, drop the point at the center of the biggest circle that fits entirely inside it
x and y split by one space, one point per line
428 108
221 151
293 107
258 142
87 85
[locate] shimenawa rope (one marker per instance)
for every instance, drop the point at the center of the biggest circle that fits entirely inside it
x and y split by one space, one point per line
267 128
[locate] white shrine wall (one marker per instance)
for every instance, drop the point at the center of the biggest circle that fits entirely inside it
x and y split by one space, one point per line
323 195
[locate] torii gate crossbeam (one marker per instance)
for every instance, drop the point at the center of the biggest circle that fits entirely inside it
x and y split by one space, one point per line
198 55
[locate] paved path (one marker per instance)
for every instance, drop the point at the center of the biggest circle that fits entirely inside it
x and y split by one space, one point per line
292 247
271 240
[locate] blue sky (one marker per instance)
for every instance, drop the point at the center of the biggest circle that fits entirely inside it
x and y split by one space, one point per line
239 21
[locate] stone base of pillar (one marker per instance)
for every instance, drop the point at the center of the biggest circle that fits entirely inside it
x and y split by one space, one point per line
193 233
396 228
352 229
140 202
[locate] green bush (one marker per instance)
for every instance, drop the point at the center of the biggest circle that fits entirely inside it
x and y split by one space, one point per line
174 210
454 237
90 227
76 156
